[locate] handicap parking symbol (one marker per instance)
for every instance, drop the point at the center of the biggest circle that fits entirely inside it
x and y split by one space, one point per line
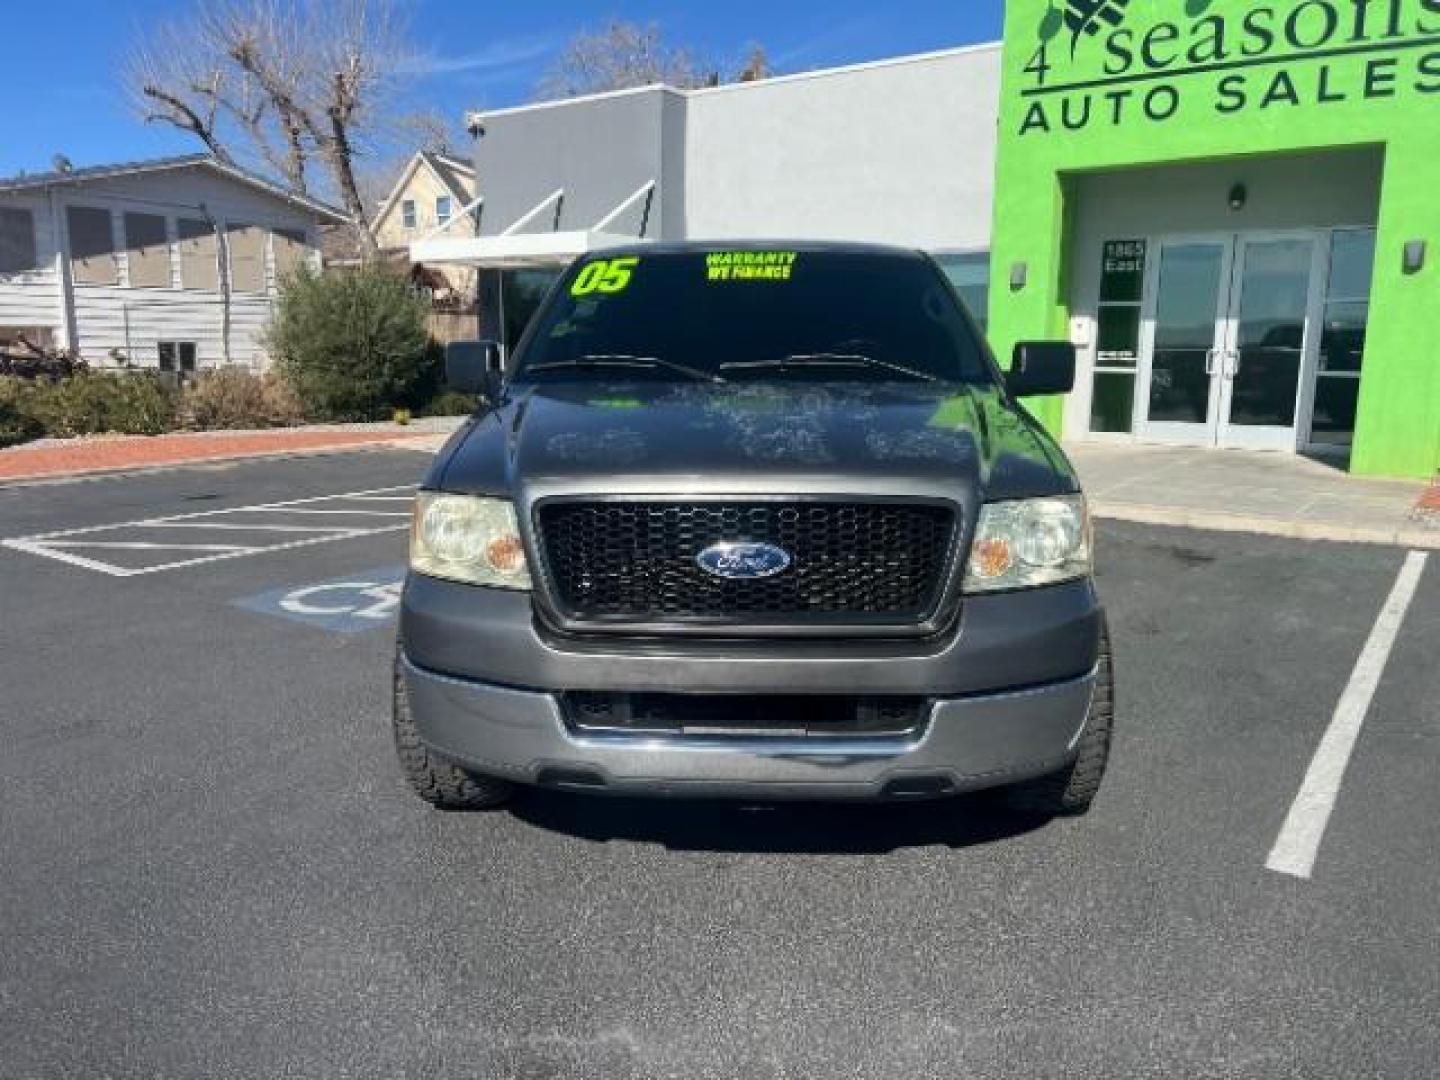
346 605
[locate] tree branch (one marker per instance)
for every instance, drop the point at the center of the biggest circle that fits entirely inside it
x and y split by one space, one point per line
180 114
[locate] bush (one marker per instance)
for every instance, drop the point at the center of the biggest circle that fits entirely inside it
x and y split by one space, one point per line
450 403
230 398
16 423
95 402
354 343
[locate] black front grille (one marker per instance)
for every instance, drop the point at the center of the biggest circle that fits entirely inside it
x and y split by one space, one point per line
851 562
774 715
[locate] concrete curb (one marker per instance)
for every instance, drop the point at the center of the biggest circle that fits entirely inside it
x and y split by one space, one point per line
418 443
1407 536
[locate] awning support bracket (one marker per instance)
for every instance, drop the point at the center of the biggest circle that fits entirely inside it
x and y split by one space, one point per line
646 191
557 197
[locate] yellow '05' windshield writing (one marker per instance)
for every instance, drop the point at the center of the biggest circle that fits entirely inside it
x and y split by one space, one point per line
605 276
750 265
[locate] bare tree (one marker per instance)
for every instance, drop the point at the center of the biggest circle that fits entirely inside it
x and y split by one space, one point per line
180 81
622 55
618 56
296 82
430 129
757 65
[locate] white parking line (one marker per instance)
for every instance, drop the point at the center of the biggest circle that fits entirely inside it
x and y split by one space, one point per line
243 527
145 545
280 509
139 536
1299 841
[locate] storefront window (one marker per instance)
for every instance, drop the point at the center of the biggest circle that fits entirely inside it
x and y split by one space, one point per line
1117 335
969 273
1342 340
1113 401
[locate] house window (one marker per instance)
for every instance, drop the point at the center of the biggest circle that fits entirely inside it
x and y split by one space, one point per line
442 208
247 258
199 263
17 241
291 251
407 213
177 356
969 273
92 246
147 251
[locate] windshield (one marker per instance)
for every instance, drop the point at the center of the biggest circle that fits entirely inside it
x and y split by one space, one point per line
754 315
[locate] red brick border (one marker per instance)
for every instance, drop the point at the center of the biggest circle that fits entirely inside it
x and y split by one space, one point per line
138 452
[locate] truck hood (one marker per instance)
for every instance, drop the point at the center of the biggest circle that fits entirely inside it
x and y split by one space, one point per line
647 436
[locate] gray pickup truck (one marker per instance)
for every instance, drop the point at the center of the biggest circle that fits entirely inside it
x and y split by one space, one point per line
760 521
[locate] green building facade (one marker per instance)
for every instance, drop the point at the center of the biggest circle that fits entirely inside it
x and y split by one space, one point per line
1233 209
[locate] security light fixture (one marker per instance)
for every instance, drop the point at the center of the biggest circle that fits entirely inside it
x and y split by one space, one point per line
1019 273
1239 196
1414 256
475 125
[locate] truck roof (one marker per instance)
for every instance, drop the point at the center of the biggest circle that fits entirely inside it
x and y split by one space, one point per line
698 247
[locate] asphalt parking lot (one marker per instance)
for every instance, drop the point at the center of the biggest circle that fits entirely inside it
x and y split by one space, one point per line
211 866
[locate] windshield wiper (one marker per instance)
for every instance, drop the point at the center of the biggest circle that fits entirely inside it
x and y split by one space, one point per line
826 359
625 360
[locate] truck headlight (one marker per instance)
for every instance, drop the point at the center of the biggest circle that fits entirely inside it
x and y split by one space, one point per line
1029 542
467 538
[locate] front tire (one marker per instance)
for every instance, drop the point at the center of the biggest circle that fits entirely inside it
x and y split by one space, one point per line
438 781
1070 791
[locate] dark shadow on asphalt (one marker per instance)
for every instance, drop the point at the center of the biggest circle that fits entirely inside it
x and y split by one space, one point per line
779 828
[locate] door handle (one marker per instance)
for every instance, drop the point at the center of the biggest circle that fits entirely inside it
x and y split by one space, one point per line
1211 355
1232 364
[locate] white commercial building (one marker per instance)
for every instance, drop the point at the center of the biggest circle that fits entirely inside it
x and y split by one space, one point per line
898 151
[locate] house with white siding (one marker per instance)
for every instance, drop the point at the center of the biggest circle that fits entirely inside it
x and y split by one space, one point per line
170 263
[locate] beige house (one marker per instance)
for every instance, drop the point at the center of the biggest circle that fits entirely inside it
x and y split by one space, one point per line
432 191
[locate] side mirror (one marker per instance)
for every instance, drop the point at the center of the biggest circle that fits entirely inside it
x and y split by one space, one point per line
474 367
1041 367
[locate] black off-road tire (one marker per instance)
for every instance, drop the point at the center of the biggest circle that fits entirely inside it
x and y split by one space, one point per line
440 782
1070 791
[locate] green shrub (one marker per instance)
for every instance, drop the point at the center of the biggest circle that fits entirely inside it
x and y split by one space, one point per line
354 343
231 398
450 403
90 403
16 423
144 405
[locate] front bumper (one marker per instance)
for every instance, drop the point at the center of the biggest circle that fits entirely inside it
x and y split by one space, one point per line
1010 687
967 743
1001 642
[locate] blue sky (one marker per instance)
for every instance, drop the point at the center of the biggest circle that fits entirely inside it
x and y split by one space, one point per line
63 57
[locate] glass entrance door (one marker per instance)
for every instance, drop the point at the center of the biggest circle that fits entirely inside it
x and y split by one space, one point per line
1183 340
1226 341
1268 338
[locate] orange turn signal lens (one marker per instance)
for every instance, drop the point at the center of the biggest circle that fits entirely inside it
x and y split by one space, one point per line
506 554
992 557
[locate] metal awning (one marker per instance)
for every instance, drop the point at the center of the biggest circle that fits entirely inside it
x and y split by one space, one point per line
515 248
525 249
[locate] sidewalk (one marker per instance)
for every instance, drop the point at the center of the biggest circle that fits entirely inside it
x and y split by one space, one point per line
48 459
1245 491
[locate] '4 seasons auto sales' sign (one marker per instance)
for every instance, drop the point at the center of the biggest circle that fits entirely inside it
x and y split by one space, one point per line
1097 65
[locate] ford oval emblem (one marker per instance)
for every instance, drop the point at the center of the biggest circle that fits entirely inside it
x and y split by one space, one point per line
743 561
